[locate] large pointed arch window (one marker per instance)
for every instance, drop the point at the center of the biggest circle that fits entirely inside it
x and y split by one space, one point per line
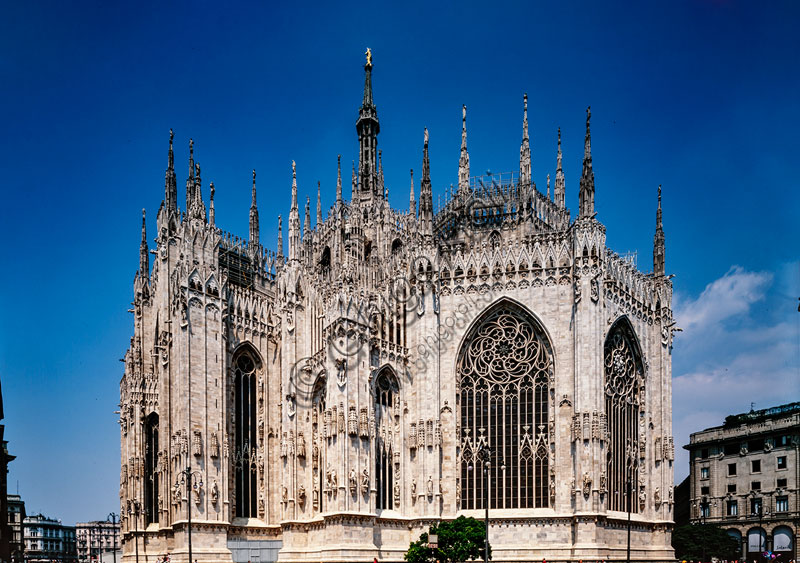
624 389
245 364
318 463
386 392
503 372
151 469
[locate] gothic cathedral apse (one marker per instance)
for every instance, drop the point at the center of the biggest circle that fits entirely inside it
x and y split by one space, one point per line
331 403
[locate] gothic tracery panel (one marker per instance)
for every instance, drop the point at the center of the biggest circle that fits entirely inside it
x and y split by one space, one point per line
245 454
503 371
624 390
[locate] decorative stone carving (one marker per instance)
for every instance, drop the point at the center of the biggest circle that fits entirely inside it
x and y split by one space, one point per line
352 482
587 484
197 444
364 481
603 482
341 371
412 436
214 446
301 446
413 490
301 496
284 445
363 423
642 498
340 419
352 421
595 288
429 487
214 493
657 497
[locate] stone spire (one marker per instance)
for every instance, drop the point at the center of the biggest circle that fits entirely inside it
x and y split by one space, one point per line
254 216
426 194
294 220
463 162
211 213
197 209
548 186
560 187
319 204
586 194
659 242
355 183
339 179
307 223
525 148
381 185
280 238
368 128
144 255
170 185
190 179
412 203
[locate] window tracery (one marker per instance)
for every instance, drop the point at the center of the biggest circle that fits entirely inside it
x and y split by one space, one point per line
151 470
386 391
245 424
503 371
624 389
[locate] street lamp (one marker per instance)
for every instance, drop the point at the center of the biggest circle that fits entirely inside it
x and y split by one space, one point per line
113 518
485 455
186 477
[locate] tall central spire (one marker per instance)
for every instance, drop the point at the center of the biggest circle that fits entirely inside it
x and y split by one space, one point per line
368 128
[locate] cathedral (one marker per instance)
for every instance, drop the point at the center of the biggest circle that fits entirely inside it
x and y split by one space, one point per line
397 368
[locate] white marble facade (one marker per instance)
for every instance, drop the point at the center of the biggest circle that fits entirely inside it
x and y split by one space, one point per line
332 402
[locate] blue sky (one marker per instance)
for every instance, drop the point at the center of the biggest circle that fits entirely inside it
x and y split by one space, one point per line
701 97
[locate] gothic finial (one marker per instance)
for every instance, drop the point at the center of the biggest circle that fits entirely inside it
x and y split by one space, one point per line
191 158
170 185
426 193
307 224
280 236
339 179
659 242
254 228
548 186
525 148
560 187
412 202
294 220
355 182
463 161
294 185
144 257
586 194
319 204
171 153
211 212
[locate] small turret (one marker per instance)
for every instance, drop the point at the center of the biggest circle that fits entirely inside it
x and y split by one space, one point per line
254 231
586 194
463 161
659 242
525 148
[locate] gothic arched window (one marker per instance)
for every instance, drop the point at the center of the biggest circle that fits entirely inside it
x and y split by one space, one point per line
503 372
386 392
244 443
151 469
624 387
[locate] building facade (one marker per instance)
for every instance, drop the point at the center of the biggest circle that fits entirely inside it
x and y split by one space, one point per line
95 539
744 477
6 534
333 402
47 540
16 516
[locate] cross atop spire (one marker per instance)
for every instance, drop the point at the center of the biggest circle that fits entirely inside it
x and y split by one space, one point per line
463 161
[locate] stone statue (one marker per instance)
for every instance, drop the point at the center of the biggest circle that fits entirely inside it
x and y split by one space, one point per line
301 495
657 497
413 488
365 481
587 484
430 486
352 482
368 53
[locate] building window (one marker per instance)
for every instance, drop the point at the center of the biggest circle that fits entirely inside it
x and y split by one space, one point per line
704 490
624 372
732 508
731 449
705 510
503 375
755 506
781 441
704 472
386 392
781 483
731 469
245 455
756 445
704 453
755 486
732 488
319 430
755 466
782 504
782 462
151 475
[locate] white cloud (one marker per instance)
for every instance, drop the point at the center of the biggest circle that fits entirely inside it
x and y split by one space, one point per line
733 353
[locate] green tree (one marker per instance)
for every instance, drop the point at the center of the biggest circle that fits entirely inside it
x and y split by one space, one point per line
698 542
459 540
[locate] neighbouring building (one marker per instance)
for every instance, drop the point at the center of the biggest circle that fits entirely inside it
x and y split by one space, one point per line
6 535
331 403
47 540
744 476
95 539
16 516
